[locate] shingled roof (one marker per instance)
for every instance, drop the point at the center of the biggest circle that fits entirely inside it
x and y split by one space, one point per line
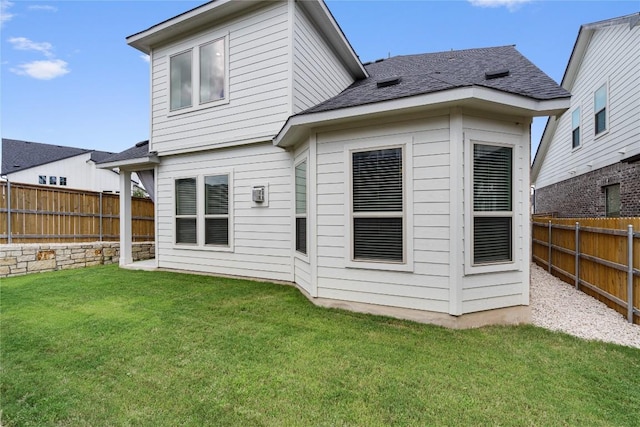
20 155
410 75
140 150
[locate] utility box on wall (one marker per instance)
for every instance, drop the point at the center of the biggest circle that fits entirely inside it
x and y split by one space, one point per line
260 195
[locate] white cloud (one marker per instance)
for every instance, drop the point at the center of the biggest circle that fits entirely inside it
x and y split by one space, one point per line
4 14
43 70
509 4
145 58
46 8
23 43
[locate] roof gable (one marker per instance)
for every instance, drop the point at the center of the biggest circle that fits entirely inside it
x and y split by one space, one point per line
20 155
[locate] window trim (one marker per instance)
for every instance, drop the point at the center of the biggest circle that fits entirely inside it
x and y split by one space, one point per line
299 160
200 213
374 144
194 46
604 84
469 214
579 127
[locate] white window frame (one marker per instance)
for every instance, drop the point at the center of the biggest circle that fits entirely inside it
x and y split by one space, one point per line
499 140
604 84
200 213
194 46
580 127
298 160
373 144
206 216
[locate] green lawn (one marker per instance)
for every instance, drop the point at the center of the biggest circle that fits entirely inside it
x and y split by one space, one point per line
103 346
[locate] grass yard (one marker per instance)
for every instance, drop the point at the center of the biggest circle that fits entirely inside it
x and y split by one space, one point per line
103 346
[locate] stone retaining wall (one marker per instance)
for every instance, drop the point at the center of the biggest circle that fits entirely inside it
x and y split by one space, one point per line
27 258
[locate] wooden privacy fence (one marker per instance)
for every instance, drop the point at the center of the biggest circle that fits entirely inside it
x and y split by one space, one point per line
41 214
600 256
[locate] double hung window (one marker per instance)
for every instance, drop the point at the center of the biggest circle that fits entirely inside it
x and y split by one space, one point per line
492 204
198 76
301 206
378 208
600 109
202 211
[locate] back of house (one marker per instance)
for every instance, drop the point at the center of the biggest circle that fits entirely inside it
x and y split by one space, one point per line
398 187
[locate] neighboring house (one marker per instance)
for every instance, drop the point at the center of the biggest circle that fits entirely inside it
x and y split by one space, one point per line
399 187
57 166
588 161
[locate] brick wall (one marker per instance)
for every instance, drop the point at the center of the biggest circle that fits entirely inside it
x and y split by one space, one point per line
584 195
27 258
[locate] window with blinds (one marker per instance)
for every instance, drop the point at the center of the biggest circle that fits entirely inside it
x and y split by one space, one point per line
600 109
186 210
492 204
378 206
216 210
301 206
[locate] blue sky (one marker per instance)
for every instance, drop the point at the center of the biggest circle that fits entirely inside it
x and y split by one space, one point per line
67 76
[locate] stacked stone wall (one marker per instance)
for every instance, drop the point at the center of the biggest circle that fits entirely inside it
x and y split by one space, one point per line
27 258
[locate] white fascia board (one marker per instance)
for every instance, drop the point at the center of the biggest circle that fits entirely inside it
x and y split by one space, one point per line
192 19
140 163
487 99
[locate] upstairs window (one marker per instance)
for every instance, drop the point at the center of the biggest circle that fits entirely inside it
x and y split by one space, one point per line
198 76
42 179
63 180
600 109
52 180
492 204
575 128
301 207
378 212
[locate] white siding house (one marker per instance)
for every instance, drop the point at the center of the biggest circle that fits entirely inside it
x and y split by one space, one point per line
57 166
370 187
576 161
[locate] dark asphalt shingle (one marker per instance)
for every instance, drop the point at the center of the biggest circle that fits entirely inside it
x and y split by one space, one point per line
140 150
19 155
434 72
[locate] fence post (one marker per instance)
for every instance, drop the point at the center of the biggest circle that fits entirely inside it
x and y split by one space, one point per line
577 255
549 263
630 273
8 211
100 201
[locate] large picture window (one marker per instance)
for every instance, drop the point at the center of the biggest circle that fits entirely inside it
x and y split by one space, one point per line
186 211
198 76
301 207
600 109
378 206
492 204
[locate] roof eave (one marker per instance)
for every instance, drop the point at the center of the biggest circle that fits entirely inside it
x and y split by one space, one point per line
297 127
140 163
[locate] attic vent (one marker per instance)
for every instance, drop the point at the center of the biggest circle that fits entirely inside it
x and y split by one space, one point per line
490 75
389 82
140 144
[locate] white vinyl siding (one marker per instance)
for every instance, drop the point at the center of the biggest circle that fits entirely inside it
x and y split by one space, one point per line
427 288
318 74
258 102
612 57
261 237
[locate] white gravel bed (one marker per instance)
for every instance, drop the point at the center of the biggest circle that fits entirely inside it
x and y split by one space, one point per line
558 306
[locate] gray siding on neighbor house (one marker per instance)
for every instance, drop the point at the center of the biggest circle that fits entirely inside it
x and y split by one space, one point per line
259 96
613 57
318 74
